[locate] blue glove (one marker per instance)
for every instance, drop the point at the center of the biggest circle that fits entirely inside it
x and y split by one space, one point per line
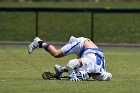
73 77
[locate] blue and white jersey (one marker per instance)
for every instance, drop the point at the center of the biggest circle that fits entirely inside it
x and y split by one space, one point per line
93 60
74 46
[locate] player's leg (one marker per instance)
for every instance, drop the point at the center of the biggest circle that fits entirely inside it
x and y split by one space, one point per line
57 53
72 66
37 42
59 70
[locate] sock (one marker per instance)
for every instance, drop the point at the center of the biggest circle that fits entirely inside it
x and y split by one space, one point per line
40 44
46 46
61 69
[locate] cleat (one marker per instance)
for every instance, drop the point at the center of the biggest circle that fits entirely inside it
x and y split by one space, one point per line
59 70
34 45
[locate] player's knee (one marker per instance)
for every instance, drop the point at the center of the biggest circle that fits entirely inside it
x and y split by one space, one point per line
74 63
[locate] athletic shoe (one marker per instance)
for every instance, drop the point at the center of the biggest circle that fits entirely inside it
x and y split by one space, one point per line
59 70
34 45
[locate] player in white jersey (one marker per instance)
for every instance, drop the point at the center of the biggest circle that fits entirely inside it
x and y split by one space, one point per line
90 59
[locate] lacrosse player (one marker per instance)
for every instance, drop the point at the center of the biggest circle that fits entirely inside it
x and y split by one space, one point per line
90 61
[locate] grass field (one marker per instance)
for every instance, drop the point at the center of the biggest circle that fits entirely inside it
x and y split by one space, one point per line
21 72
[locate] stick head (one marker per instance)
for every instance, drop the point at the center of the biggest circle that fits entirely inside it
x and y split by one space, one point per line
48 75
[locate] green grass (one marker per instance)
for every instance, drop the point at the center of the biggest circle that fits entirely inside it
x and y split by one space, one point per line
21 72
108 28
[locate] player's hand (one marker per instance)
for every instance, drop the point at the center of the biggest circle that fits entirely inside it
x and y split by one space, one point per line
73 77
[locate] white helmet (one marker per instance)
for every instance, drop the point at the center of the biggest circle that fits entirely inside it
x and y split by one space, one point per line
82 75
